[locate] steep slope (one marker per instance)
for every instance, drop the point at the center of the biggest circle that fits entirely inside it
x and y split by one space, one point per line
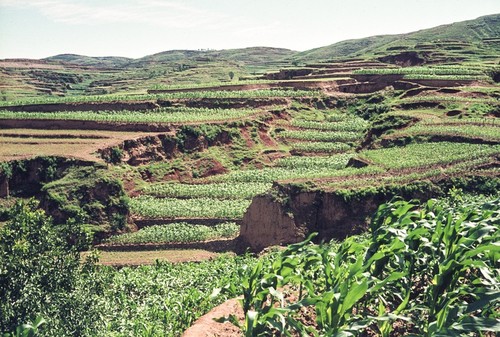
482 33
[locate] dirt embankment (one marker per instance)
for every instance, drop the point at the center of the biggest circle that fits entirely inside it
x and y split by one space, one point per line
207 102
25 178
84 106
58 124
227 103
288 214
287 83
164 147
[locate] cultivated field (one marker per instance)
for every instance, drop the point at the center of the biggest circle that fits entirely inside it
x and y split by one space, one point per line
173 182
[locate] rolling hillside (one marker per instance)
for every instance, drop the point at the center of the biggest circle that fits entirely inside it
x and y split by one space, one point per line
481 34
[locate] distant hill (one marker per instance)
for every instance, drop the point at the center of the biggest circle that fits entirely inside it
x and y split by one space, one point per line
253 56
81 60
481 33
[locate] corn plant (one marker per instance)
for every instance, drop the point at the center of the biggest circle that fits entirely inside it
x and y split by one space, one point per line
432 268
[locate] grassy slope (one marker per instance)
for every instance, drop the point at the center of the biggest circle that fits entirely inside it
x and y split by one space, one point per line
467 31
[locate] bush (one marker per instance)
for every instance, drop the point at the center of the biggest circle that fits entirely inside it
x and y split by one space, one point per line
41 275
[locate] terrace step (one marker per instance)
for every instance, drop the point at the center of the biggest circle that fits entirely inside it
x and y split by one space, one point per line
219 245
141 223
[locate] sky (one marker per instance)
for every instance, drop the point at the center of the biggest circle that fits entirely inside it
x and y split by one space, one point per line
136 28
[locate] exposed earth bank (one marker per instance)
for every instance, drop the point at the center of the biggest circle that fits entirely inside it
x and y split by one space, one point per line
289 213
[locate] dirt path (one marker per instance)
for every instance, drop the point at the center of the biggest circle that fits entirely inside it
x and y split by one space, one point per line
137 258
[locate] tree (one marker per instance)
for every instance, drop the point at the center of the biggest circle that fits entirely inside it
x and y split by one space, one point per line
231 75
41 275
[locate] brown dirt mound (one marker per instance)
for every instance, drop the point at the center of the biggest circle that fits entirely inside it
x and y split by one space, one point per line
206 326
266 139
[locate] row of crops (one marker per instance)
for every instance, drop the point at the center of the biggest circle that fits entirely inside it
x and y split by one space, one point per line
320 147
181 232
163 115
472 131
426 154
151 207
265 93
321 131
324 136
449 98
209 84
223 190
450 70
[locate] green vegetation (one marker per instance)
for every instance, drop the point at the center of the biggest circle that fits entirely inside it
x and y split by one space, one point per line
322 136
164 115
279 173
167 96
219 191
467 35
41 273
90 195
437 71
151 207
430 270
320 147
178 232
352 124
489 133
335 162
425 154
423 269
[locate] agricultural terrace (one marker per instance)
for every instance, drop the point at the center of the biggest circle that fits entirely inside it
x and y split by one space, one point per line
83 144
188 164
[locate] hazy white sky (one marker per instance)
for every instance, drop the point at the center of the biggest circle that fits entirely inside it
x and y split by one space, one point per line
135 28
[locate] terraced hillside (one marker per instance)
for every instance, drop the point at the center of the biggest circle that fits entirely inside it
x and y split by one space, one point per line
159 169
200 155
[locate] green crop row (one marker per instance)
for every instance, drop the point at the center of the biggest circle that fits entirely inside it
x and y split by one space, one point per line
166 96
450 99
271 174
320 147
450 70
446 77
425 154
125 116
353 124
217 191
209 84
334 162
150 207
181 232
321 136
490 133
